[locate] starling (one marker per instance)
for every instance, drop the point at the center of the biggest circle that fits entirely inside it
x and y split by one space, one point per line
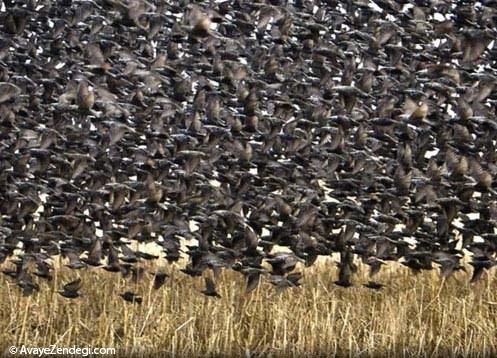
210 288
70 290
131 297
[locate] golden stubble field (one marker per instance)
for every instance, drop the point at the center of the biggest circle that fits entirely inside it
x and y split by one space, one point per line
414 315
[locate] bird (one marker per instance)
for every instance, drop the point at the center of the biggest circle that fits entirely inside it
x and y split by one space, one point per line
210 288
85 96
159 279
71 289
373 285
131 297
8 92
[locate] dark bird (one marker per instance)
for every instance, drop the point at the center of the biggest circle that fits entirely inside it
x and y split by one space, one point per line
131 297
159 279
71 289
480 264
282 283
373 285
85 97
252 281
210 288
345 269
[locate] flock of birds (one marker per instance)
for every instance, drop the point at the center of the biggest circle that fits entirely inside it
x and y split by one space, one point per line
226 131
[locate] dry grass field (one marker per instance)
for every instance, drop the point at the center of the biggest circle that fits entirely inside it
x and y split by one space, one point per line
414 315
